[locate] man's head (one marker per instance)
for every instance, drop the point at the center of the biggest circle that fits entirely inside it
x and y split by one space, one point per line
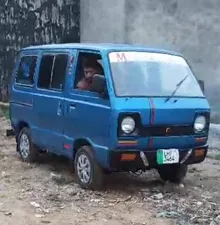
91 68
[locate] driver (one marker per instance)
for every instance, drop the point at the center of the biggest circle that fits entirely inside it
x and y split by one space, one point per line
90 69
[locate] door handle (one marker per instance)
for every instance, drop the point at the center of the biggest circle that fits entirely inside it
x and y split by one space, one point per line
59 109
72 107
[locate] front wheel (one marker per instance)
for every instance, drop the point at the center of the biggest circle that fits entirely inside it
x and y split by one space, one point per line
89 173
173 173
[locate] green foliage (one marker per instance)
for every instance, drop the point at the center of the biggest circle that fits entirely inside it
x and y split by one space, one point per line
215 156
4 111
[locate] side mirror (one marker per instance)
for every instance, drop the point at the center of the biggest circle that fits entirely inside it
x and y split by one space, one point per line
202 85
99 84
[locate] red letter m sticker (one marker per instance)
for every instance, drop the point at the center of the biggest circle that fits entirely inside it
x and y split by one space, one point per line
121 57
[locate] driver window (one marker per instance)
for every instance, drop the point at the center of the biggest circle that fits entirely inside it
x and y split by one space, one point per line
88 65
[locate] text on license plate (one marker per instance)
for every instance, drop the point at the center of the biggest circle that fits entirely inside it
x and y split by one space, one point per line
167 156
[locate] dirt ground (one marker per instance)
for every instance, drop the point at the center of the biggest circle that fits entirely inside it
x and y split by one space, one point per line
46 193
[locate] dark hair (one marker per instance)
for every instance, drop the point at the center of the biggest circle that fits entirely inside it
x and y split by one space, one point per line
93 64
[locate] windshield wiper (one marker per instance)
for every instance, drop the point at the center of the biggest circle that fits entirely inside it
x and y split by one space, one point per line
177 87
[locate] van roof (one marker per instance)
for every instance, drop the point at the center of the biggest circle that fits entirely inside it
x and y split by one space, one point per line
101 46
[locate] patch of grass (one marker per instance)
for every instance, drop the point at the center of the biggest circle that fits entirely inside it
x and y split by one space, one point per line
215 156
4 111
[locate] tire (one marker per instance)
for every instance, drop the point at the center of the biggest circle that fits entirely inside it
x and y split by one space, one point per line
25 147
95 174
173 173
107 172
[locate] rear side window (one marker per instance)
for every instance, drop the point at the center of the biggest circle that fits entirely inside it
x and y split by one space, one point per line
26 70
45 71
52 71
59 71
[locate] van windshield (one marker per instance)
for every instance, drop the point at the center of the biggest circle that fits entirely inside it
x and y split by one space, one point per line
152 74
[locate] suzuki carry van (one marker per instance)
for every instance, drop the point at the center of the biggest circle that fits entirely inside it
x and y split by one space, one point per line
109 108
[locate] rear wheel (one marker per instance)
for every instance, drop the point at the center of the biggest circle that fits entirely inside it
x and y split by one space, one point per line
89 173
25 147
173 173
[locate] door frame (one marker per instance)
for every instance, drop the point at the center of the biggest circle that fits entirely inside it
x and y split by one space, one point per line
51 93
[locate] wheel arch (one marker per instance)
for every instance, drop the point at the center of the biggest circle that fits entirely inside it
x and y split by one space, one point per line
78 143
101 155
20 125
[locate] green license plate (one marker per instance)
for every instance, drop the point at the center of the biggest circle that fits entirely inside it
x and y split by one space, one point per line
167 156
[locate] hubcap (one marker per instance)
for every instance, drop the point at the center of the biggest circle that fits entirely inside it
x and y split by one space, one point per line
24 146
84 169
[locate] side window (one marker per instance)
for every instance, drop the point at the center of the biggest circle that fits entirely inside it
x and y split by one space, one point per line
26 70
88 65
59 71
52 71
45 71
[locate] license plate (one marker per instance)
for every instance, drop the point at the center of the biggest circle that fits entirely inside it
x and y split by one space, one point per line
167 156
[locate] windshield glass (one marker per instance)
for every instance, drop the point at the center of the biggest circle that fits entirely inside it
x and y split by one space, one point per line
152 74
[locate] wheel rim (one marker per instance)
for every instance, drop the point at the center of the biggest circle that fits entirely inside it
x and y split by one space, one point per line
24 146
84 169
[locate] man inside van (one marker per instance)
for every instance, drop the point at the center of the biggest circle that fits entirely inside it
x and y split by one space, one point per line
90 69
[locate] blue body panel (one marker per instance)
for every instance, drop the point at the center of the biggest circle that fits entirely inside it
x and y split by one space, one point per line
59 119
87 117
104 47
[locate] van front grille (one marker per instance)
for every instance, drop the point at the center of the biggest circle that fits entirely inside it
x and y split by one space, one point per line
166 131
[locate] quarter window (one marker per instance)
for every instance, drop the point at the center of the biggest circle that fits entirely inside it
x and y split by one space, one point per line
26 70
59 70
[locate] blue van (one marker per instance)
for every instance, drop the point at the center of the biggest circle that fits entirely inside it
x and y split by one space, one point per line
109 108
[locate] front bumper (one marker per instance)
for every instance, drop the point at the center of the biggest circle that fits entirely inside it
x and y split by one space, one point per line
116 164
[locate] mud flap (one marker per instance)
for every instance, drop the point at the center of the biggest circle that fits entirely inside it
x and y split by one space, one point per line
10 132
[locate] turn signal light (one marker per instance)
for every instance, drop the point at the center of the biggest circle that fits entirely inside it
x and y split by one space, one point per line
199 152
128 157
201 139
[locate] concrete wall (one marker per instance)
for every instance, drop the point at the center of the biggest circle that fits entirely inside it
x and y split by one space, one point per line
31 22
102 20
189 26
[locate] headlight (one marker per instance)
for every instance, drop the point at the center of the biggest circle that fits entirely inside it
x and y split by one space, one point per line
199 124
128 125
